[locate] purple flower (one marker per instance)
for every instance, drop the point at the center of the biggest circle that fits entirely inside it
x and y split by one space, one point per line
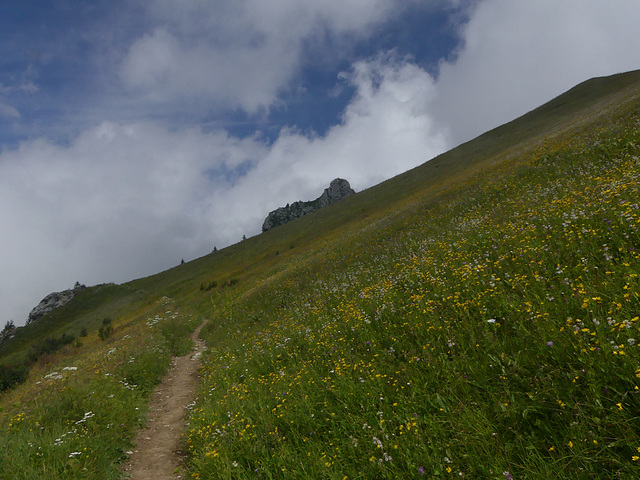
549 343
421 470
507 476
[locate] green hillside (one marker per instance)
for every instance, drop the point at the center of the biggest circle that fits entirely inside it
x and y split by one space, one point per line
475 317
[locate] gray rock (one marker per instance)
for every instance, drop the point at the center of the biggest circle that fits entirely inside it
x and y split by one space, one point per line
7 335
338 189
52 301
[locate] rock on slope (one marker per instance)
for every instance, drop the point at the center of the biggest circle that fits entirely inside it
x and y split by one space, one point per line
52 301
338 189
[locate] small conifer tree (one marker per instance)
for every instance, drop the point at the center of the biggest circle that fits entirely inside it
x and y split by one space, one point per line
105 329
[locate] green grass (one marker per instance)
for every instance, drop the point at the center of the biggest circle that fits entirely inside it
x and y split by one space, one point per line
475 316
75 417
87 310
495 332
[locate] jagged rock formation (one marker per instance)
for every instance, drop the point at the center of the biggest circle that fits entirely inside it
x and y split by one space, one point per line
338 189
8 333
52 301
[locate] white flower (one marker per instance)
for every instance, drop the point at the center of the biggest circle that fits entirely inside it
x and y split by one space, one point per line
491 320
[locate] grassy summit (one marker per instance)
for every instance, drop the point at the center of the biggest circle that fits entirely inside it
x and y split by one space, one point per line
476 317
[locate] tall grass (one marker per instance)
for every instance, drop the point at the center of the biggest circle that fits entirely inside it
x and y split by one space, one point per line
76 415
494 335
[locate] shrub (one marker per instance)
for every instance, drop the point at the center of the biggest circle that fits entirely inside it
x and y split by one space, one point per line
11 375
206 286
230 283
105 330
48 346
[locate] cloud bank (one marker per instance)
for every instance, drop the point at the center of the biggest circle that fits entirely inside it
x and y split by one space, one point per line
517 55
124 199
237 53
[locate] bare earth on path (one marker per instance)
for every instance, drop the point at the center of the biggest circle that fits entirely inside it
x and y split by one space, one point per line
158 455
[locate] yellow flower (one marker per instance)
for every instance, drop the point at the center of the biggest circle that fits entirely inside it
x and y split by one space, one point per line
570 444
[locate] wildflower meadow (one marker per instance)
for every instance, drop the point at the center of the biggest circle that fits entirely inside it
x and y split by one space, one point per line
482 322
492 335
75 417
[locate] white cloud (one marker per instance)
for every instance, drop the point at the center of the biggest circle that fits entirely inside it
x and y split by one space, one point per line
236 53
166 70
9 112
118 203
123 201
384 131
518 55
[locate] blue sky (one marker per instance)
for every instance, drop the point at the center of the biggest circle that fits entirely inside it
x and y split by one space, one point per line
134 133
60 66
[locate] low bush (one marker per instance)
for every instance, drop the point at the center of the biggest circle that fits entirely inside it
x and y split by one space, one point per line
49 346
11 375
206 286
105 330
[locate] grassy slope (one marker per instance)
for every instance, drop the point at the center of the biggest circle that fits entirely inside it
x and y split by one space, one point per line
489 329
581 104
364 264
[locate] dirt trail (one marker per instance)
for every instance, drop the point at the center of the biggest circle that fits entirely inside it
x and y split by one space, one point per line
159 454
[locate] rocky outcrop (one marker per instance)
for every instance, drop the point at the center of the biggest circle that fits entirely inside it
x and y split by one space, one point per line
338 189
8 333
52 301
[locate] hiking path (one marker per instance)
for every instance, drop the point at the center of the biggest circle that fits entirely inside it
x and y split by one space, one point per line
159 447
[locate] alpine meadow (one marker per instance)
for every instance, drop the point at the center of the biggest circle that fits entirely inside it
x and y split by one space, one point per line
477 317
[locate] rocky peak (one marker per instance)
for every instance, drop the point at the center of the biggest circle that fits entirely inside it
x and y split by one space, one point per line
52 301
338 189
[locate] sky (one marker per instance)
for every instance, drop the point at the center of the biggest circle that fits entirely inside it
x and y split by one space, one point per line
137 133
